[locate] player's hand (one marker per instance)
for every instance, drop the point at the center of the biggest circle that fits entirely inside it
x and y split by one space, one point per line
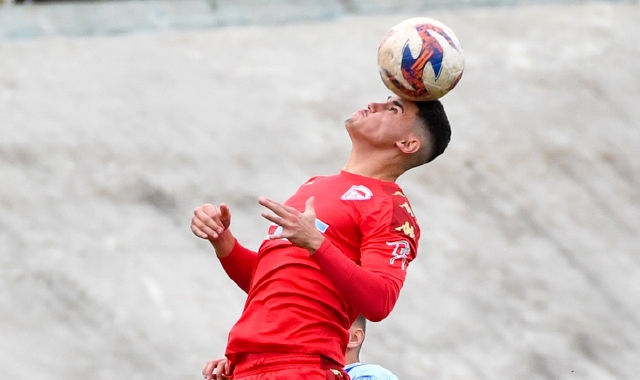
210 222
216 369
298 227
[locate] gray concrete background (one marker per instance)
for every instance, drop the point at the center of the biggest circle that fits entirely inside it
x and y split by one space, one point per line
529 265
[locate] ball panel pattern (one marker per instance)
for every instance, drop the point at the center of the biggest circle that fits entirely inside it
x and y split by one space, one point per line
420 59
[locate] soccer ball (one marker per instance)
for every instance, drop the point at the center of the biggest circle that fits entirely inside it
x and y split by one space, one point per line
420 59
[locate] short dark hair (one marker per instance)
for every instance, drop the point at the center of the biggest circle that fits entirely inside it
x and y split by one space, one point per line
435 120
361 322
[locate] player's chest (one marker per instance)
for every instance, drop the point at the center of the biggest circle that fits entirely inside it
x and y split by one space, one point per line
339 206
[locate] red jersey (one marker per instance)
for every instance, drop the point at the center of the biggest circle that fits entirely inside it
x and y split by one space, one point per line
302 303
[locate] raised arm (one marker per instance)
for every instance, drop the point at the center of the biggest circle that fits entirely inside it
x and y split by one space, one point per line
212 223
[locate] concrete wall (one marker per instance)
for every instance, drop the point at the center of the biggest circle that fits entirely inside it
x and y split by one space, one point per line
529 265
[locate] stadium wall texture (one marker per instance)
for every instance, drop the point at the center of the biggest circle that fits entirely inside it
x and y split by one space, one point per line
529 260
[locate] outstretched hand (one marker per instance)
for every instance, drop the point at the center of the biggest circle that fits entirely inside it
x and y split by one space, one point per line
297 227
209 221
212 223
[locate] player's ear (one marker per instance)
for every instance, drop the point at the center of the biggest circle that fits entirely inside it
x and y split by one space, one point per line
356 337
409 145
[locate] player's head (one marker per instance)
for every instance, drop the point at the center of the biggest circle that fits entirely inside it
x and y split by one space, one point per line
360 323
434 119
411 133
356 338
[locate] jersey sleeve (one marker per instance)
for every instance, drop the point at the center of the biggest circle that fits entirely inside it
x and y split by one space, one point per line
239 265
390 237
389 244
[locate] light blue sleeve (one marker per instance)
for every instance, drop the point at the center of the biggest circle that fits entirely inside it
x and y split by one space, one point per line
359 371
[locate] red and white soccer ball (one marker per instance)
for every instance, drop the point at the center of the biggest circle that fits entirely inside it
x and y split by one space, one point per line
420 59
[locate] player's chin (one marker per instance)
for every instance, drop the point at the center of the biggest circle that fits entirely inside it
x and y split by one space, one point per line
353 119
360 114
351 125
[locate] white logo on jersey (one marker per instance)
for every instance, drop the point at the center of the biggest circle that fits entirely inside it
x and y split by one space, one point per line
357 193
401 250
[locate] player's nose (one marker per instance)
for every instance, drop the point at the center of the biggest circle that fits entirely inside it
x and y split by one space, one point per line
375 107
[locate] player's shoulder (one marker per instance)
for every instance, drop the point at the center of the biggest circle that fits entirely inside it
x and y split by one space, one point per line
379 192
384 201
314 179
362 371
394 201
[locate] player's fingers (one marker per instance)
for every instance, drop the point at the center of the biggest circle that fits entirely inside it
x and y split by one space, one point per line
201 230
309 206
207 371
209 217
210 370
198 233
196 229
276 207
273 218
220 369
225 214
210 209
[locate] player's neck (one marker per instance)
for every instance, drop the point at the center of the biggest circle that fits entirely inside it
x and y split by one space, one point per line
370 174
351 358
372 166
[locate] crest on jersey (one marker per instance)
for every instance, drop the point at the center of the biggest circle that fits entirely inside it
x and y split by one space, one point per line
401 251
357 193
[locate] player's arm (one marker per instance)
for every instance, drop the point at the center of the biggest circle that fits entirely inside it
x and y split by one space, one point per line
373 287
212 223
239 265
388 244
